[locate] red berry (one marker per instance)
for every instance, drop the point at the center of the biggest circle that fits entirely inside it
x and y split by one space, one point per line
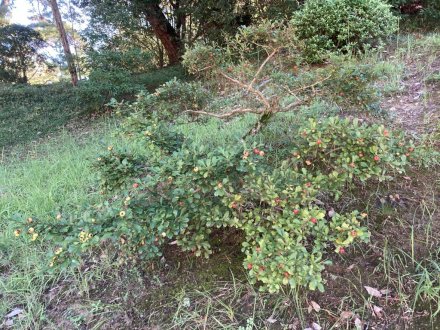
135 185
354 233
249 266
341 250
256 151
386 133
295 211
376 158
410 149
308 184
318 142
313 220
286 274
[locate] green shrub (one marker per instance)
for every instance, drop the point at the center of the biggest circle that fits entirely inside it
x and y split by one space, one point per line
171 99
347 26
131 61
115 167
279 204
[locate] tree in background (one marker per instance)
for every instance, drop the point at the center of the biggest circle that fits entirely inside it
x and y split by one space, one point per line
4 10
19 47
64 41
170 25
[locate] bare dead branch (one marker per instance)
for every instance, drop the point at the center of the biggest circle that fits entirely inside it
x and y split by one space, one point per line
295 91
252 90
227 114
247 110
261 67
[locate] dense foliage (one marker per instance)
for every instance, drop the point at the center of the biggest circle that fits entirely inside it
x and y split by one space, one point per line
348 26
19 46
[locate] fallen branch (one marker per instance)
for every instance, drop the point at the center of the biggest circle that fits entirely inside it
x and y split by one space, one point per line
247 110
227 114
261 67
250 89
295 91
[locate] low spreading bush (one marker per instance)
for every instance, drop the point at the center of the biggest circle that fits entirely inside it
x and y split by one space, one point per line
184 193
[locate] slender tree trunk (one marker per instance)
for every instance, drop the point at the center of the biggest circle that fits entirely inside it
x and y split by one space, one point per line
164 31
64 41
4 8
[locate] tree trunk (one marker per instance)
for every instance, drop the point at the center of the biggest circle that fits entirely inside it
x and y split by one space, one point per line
164 31
4 8
64 41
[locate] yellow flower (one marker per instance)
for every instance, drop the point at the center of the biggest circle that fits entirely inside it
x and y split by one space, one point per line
83 237
147 133
59 216
110 148
99 159
58 251
31 230
29 220
122 214
196 169
164 234
128 198
17 232
34 236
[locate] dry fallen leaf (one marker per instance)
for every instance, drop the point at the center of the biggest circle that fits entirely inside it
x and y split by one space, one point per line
351 267
316 326
315 306
346 315
373 292
385 291
271 320
378 311
14 312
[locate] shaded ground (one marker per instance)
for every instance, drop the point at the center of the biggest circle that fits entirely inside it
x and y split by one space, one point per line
416 106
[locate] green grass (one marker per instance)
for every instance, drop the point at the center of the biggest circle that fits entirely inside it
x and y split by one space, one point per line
40 181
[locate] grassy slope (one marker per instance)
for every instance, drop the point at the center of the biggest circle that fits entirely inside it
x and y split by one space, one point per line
182 292
28 113
38 181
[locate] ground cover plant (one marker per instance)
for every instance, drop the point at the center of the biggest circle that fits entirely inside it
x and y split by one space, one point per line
29 112
311 190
